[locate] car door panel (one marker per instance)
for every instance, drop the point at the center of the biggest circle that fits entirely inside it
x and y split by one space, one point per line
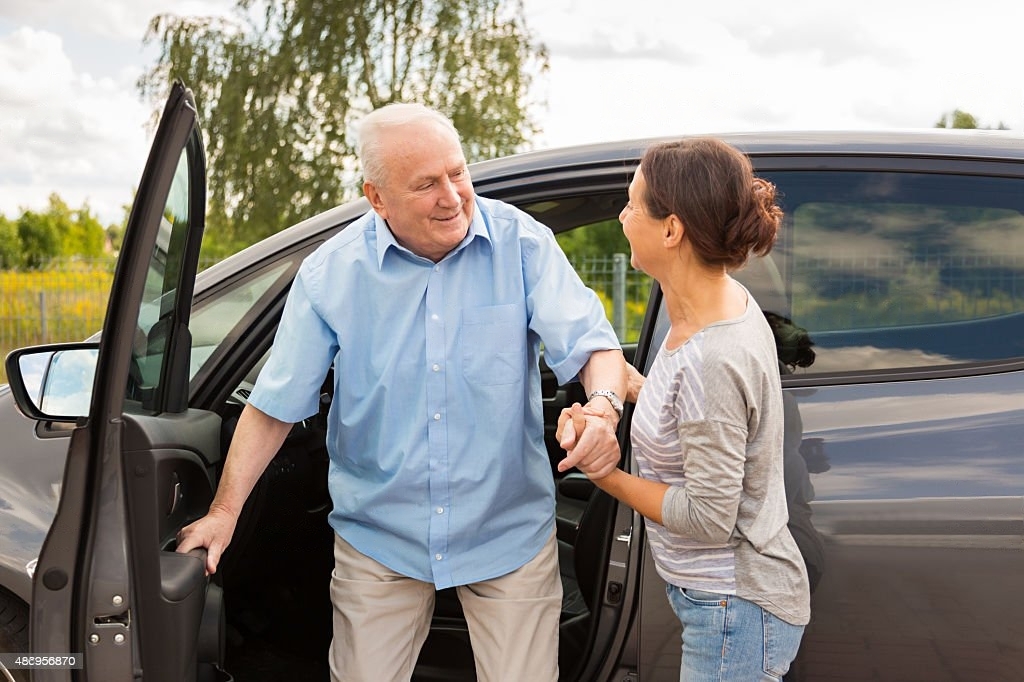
110 587
918 494
168 486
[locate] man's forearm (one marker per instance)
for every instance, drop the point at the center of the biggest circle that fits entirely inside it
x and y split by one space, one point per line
256 440
605 370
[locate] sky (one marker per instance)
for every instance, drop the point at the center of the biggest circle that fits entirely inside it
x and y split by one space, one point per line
72 121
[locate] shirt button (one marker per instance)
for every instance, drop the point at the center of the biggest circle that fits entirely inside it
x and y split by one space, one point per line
440 510
437 416
437 556
436 368
434 317
437 268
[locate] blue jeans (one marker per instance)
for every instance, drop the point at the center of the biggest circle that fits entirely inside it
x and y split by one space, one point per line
727 639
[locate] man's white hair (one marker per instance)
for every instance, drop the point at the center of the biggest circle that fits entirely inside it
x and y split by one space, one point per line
372 130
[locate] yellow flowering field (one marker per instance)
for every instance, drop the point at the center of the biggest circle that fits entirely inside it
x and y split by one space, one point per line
63 303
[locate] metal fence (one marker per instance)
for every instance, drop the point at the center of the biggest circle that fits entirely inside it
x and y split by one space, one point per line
623 290
67 300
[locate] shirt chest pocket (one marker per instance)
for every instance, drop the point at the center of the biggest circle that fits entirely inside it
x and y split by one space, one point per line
494 344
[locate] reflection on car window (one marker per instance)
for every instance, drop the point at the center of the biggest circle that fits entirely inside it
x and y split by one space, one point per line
161 284
219 320
898 270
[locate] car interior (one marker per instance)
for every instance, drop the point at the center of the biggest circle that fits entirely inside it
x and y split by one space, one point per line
276 572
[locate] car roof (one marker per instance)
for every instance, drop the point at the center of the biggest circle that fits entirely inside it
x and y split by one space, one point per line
993 145
932 142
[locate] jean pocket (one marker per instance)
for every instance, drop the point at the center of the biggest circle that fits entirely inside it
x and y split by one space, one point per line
781 643
705 599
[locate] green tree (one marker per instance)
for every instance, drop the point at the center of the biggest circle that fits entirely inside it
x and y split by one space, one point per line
278 89
10 245
78 230
963 120
87 236
36 238
39 235
599 239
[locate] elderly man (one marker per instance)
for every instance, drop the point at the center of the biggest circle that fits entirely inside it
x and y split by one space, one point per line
431 308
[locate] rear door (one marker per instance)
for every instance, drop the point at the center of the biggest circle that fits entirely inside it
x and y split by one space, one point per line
896 291
109 588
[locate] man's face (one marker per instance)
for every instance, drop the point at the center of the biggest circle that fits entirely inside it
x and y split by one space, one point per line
426 196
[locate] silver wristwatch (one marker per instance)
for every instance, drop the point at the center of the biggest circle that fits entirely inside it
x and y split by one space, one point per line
612 397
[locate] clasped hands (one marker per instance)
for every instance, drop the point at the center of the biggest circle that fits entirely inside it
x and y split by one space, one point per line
588 435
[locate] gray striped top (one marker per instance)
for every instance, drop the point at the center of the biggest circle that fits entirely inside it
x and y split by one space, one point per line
709 423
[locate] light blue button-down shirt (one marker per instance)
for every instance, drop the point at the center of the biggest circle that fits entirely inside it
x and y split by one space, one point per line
436 431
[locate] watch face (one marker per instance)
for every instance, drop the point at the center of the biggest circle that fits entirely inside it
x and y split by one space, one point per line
612 398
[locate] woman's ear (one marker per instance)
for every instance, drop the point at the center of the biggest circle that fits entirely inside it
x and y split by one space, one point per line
672 231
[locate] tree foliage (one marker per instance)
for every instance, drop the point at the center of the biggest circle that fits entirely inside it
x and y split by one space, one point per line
279 83
10 245
963 120
598 240
38 237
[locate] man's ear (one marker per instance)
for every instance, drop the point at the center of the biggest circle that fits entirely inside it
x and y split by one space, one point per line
375 199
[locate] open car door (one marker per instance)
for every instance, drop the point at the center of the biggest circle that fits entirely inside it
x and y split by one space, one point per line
109 590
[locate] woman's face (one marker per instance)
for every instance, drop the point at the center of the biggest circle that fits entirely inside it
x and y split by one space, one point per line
643 232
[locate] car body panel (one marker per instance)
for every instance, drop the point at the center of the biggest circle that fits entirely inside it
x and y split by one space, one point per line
918 500
27 503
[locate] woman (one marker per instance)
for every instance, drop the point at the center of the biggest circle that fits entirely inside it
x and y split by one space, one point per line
707 431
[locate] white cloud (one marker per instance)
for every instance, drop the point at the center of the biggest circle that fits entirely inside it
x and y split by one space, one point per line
117 19
65 131
71 120
727 66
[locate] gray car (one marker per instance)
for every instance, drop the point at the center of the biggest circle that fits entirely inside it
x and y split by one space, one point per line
896 291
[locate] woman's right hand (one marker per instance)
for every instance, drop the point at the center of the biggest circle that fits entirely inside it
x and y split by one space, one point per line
634 382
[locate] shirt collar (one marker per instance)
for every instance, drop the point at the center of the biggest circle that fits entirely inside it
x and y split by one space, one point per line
386 240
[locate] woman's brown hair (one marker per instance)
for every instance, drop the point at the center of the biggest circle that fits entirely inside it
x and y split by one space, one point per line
727 212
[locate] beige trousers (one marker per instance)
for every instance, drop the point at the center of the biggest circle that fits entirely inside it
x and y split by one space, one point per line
381 620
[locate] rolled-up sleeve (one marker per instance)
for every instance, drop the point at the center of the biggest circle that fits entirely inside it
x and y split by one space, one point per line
288 387
706 506
568 317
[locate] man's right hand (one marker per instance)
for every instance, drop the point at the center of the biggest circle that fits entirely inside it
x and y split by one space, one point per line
213 532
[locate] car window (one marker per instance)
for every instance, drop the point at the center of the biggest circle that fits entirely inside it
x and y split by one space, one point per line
158 299
588 230
896 270
220 319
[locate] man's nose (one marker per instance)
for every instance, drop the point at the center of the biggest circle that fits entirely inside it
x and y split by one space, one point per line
449 194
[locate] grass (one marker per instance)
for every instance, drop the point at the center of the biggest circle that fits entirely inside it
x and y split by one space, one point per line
65 302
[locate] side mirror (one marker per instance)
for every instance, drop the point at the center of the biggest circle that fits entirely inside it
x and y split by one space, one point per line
53 382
